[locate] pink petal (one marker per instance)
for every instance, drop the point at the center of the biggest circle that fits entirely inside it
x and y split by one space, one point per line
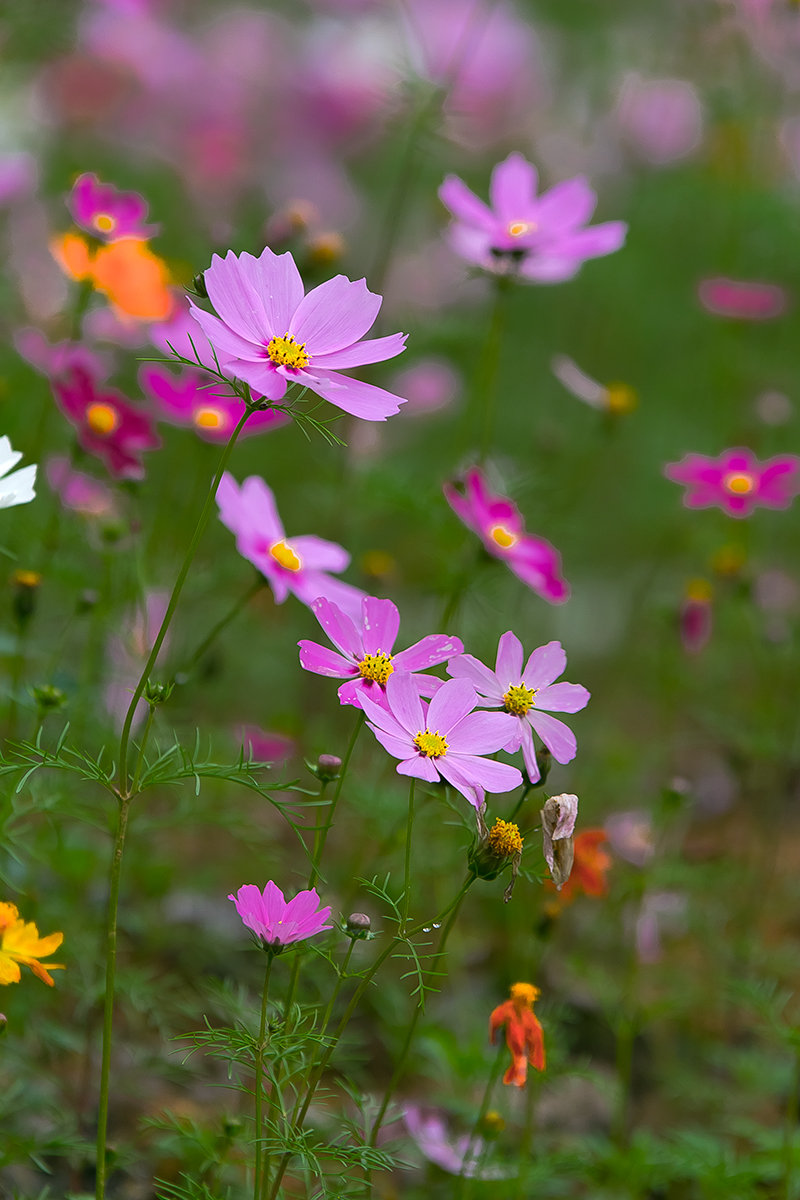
353 396
339 628
381 623
235 301
323 661
334 315
465 205
483 733
226 340
371 350
274 904
566 205
513 188
452 702
482 679
309 585
258 501
275 279
529 753
396 746
563 697
317 554
429 652
420 767
509 660
558 737
405 704
544 665
592 242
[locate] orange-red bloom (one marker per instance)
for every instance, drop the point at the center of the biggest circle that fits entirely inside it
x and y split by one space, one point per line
20 943
524 1036
589 869
134 279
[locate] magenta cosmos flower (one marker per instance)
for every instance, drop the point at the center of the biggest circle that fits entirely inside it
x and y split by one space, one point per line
365 656
500 527
109 214
445 739
269 334
186 399
300 564
529 694
542 238
106 424
736 481
741 300
274 922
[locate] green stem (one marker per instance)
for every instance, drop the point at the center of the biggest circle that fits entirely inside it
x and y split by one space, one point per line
319 844
488 368
173 601
790 1129
531 1093
108 1007
137 770
494 1072
407 866
223 622
259 1087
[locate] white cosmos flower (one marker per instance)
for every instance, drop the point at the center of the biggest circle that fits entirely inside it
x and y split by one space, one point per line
17 488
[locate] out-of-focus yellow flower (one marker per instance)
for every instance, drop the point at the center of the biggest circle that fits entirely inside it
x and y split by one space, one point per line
135 280
20 943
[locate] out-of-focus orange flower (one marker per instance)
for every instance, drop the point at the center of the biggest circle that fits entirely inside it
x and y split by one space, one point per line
135 279
20 943
589 869
524 1035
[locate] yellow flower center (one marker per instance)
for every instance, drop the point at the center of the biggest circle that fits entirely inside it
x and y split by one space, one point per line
518 699
283 554
102 419
699 591
105 222
524 993
739 483
285 352
377 667
505 839
518 228
209 418
620 398
432 745
504 537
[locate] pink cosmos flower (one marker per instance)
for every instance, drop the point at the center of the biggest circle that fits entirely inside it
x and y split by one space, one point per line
499 525
186 399
696 616
300 564
78 491
277 923
527 694
459 1156
265 747
445 739
541 238
736 481
365 656
429 385
58 358
741 300
661 118
107 213
107 425
19 175
269 334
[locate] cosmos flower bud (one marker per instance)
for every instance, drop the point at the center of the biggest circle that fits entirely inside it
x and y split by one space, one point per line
48 698
496 849
327 767
157 693
198 287
26 587
358 925
558 826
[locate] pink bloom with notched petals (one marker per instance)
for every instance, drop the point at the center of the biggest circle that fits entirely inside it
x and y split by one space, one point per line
299 565
269 334
736 481
541 238
186 399
365 657
529 695
741 300
499 525
107 213
445 739
106 424
277 923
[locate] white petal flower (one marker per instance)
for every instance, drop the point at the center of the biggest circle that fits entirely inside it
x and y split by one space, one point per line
16 488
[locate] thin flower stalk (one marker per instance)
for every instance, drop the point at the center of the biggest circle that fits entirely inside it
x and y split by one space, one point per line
462 1187
260 1165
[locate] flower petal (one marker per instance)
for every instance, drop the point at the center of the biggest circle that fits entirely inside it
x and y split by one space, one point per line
558 737
381 623
509 659
323 661
482 679
371 350
404 703
353 396
275 279
334 315
563 697
465 205
513 188
420 767
339 628
429 652
236 302
452 702
484 732
544 665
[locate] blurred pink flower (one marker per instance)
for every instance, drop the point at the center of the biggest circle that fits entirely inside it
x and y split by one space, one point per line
265 747
499 525
106 424
127 653
277 923
460 1156
445 739
540 238
736 481
429 385
107 213
59 358
529 694
78 491
19 175
186 399
661 118
696 616
660 912
269 333
299 565
740 300
365 657
630 836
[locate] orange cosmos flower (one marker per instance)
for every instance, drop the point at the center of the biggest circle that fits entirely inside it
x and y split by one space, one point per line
524 1036
20 943
135 280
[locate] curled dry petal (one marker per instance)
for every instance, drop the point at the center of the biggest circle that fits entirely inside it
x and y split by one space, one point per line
558 826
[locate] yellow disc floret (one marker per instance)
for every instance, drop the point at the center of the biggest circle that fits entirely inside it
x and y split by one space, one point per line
209 418
518 228
518 699
620 398
105 223
102 419
739 483
504 537
286 352
376 667
524 994
285 556
432 745
505 839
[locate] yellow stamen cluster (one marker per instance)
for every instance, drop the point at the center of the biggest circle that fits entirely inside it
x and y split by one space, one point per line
504 839
739 483
524 993
26 579
699 591
209 418
620 398
105 223
102 419
377 667
518 699
285 556
286 352
504 537
432 745
518 228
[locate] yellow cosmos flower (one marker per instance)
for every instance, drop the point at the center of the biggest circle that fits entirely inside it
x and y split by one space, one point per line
20 943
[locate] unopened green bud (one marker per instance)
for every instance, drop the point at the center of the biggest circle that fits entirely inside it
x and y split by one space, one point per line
157 693
48 697
199 286
26 587
358 925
